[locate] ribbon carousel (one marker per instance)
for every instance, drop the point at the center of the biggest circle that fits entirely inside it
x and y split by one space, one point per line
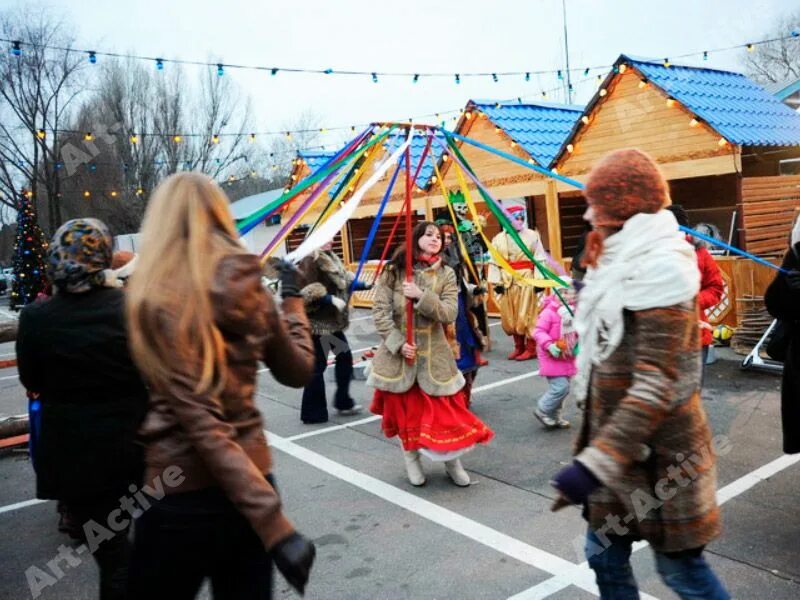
342 182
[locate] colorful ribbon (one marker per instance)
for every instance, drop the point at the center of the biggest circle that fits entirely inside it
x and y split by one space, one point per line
331 227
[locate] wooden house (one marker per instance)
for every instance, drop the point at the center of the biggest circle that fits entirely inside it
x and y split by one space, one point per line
532 131
723 143
719 138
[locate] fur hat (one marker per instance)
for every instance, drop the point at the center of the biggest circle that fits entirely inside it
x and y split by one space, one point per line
625 183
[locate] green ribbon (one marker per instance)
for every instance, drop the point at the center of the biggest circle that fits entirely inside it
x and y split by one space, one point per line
311 180
506 225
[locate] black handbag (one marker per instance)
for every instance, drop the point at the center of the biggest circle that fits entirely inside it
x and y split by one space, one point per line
778 344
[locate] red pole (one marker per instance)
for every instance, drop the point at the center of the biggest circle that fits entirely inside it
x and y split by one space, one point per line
409 253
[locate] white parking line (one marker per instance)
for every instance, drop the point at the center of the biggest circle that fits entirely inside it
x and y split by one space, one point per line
24 504
500 542
361 318
583 573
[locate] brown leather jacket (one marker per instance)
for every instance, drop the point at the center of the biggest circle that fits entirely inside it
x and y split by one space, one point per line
218 439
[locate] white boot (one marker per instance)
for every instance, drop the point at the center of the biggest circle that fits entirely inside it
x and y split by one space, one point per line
457 473
414 468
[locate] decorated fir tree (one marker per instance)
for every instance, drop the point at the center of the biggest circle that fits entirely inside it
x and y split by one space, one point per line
29 252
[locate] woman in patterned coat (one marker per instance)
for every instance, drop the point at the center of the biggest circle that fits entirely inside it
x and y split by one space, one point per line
645 462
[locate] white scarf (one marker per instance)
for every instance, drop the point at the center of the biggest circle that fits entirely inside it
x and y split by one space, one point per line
647 264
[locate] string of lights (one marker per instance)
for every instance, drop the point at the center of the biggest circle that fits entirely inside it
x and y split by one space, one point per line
136 137
18 46
92 165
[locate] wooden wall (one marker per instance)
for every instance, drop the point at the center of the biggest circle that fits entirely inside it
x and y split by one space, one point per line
504 178
359 230
769 206
631 116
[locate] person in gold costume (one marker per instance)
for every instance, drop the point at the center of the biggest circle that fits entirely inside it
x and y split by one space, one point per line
519 304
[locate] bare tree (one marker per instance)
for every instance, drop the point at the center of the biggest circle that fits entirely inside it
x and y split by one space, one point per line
780 60
38 87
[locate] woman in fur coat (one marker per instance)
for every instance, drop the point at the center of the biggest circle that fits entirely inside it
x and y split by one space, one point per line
418 387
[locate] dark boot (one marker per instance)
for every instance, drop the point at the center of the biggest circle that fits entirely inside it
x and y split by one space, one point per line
519 347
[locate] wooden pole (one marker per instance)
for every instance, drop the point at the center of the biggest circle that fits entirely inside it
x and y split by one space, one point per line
428 208
347 254
553 219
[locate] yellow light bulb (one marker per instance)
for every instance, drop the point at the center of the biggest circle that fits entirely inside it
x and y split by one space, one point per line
722 142
603 92
570 148
670 102
86 194
623 68
642 84
215 139
177 139
585 119
694 123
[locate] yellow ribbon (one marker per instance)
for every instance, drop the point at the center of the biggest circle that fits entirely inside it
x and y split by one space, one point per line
496 256
461 244
306 211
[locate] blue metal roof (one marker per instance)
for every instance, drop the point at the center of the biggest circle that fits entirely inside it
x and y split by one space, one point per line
418 143
539 127
316 158
737 108
783 89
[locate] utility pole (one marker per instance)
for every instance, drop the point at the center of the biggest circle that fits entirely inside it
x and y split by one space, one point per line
568 81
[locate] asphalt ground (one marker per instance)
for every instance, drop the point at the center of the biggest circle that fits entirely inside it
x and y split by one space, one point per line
343 484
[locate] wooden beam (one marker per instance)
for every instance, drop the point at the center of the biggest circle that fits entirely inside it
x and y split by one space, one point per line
428 209
347 251
553 219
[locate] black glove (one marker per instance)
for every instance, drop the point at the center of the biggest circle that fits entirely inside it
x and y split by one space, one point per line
288 276
294 556
499 289
793 280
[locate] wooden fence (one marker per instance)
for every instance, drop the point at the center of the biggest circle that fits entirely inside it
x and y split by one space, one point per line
768 208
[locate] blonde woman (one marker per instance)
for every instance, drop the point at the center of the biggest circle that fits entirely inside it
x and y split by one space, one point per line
199 322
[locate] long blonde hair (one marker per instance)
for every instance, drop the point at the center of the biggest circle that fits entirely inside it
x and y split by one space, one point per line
187 229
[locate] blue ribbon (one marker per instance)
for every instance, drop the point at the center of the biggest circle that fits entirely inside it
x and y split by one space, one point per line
733 249
376 223
515 159
580 186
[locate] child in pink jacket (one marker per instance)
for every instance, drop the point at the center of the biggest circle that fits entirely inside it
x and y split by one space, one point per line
556 343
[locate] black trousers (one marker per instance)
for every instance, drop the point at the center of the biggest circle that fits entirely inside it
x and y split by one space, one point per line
113 555
314 408
185 538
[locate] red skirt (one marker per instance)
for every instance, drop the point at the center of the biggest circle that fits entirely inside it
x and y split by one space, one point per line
441 424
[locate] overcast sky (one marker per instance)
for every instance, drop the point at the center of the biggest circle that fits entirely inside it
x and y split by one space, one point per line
411 35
